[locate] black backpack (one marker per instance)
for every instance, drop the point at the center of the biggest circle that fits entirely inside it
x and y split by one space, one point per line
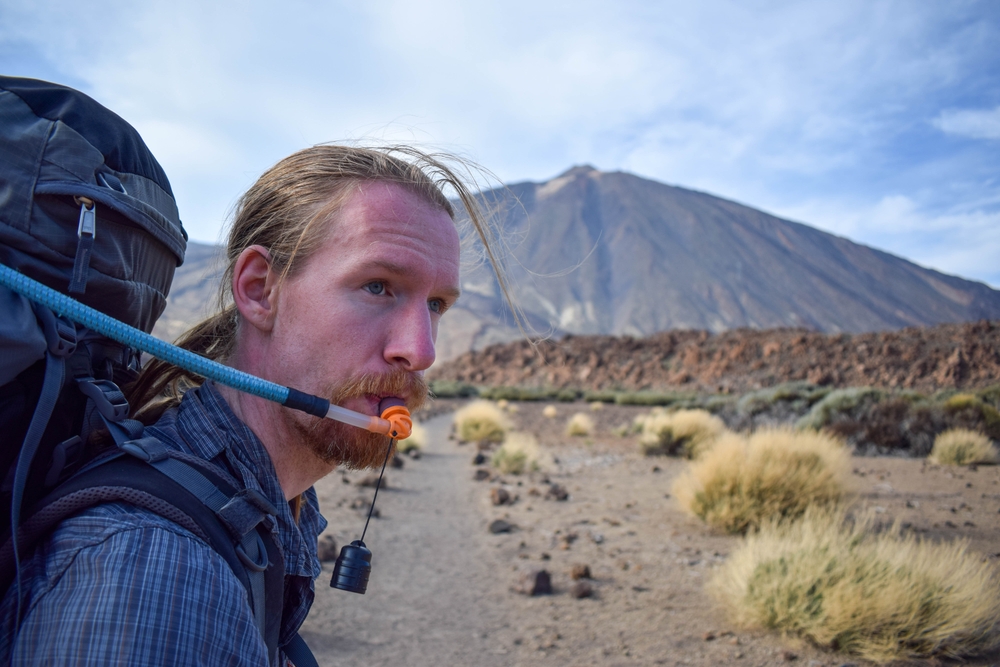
87 210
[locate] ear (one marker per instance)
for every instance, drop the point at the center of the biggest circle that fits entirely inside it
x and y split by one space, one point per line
255 287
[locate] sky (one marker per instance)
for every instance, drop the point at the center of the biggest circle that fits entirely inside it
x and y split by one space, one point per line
874 120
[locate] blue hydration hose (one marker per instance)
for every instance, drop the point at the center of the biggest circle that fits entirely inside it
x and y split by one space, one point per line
106 325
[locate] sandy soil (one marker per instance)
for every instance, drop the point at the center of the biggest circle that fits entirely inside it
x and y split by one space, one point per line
441 591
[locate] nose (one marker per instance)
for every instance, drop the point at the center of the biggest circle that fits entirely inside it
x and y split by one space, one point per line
410 344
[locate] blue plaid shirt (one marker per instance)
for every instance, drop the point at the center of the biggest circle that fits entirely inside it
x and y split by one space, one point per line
119 585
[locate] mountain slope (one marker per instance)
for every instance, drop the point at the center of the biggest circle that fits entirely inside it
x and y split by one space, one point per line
633 256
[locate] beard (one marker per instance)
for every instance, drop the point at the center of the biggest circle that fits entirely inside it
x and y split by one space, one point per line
350 446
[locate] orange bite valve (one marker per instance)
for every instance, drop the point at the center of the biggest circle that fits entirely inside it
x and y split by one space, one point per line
401 424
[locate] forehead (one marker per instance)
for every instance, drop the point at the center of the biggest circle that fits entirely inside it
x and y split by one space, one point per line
379 218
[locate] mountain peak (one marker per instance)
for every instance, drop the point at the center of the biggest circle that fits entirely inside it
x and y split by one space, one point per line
578 170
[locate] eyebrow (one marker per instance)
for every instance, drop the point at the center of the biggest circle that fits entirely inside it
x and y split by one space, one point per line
392 267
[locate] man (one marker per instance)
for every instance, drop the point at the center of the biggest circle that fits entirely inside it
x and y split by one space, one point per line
340 263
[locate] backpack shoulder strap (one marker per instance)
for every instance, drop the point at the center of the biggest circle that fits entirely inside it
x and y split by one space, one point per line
187 493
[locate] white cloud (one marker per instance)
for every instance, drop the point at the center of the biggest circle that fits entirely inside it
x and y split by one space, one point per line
974 123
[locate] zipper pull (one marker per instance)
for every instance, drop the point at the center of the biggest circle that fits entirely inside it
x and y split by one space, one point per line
86 230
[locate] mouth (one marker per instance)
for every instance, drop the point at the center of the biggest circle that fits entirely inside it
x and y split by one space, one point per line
376 403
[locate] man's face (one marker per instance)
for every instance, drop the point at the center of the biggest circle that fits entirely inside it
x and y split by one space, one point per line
358 321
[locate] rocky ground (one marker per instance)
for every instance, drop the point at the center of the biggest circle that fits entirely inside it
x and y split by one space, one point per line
952 355
448 589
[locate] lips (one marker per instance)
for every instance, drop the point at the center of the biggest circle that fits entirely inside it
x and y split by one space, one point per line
375 404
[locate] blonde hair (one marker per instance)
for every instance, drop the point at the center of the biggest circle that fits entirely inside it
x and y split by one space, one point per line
286 212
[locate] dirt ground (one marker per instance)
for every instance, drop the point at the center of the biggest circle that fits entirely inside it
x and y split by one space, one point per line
442 586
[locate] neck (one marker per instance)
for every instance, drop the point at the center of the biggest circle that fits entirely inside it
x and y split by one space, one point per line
297 467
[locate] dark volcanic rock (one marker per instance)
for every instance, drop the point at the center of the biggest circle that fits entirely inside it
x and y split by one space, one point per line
534 582
741 360
501 526
500 496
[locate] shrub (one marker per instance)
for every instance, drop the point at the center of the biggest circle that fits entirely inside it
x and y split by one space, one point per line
567 395
871 593
800 393
481 420
689 432
968 411
579 424
549 411
740 483
990 395
518 453
518 393
839 403
417 440
961 447
603 396
649 398
452 389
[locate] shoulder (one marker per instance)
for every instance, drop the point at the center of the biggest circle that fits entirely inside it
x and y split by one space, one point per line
117 584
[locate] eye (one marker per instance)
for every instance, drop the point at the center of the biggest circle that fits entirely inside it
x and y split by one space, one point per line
436 306
376 287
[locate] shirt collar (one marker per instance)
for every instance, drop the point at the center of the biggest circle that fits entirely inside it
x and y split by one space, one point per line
211 430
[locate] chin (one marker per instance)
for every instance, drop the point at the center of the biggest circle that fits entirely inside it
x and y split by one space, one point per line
349 446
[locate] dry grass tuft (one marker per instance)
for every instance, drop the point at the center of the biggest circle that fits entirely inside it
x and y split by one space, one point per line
690 432
519 453
417 440
961 447
580 424
549 411
481 421
596 406
741 483
874 594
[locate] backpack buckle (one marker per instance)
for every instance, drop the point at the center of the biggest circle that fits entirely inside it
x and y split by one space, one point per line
107 397
60 333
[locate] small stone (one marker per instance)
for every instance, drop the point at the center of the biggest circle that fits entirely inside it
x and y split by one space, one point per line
533 491
481 475
500 496
556 492
372 480
579 571
735 641
414 453
913 504
545 556
581 589
534 582
326 549
363 504
596 538
500 526
479 459
708 636
656 469
396 461
789 656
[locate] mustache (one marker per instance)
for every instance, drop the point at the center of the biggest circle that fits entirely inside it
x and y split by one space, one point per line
396 382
